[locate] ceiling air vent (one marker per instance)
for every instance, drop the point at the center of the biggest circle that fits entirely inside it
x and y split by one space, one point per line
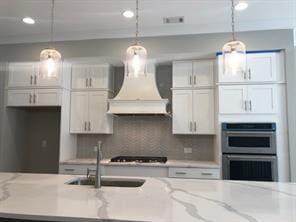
173 20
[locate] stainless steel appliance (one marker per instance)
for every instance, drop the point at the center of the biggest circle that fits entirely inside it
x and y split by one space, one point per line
249 151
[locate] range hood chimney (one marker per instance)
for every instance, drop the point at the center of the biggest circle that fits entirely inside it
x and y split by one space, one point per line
139 96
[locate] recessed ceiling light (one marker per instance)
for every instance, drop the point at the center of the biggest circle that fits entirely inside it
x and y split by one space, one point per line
128 14
28 20
240 6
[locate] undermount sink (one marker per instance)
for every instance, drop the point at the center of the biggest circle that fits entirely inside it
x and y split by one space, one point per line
108 182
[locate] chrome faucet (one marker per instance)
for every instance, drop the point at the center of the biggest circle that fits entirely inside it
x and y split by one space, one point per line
97 171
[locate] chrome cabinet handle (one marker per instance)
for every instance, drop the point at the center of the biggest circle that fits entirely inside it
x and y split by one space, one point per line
245 105
207 174
34 98
190 126
85 126
245 75
250 104
90 82
194 80
89 126
195 128
69 170
31 80
180 173
86 82
30 99
35 79
190 80
250 74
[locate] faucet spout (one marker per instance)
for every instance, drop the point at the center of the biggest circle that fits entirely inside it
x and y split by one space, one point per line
98 168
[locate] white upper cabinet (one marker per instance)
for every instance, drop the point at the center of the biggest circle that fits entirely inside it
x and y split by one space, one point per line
193 111
182 111
232 99
27 75
89 113
22 74
261 67
203 73
198 73
243 99
86 76
203 111
182 74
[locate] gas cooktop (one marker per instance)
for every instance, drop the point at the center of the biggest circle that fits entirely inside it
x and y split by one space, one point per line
139 159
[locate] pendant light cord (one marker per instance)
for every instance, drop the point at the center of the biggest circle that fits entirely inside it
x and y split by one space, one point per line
52 21
137 21
232 20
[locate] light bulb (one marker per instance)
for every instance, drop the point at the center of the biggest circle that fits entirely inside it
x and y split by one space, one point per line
136 63
50 66
136 56
50 59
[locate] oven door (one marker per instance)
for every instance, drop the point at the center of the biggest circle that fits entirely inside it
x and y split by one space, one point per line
250 167
250 142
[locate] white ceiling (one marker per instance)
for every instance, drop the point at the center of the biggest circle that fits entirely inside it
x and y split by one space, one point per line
89 19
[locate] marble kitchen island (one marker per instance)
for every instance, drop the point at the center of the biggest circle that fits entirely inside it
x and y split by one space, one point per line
48 198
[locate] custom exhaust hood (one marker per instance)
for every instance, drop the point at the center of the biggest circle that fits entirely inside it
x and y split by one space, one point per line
139 96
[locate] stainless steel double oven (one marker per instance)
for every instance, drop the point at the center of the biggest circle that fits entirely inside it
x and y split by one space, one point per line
249 151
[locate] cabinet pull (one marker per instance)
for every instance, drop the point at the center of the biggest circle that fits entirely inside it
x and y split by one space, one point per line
207 174
250 74
190 80
30 98
180 173
195 128
194 80
34 98
69 170
85 126
90 82
31 80
35 79
89 126
245 75
245 105
190 126
250 104
86 82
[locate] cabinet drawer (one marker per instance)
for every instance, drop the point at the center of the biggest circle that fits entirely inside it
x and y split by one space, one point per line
75 169
195 173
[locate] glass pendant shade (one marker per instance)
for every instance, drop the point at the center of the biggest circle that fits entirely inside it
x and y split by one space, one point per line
50 60
234 58
136 56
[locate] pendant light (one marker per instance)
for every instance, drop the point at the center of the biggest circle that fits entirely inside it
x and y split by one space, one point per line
50 58
234 52
136 55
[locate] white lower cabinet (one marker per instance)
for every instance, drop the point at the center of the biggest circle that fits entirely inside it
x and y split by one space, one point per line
253 99
34 97
89 113
193 111
194 173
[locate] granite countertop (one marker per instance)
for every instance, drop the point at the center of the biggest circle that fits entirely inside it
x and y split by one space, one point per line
169 163
47 197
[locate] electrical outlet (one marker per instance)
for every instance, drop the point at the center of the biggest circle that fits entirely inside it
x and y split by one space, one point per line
44 143
187 150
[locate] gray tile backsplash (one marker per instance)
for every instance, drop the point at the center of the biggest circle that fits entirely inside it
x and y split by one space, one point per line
149 135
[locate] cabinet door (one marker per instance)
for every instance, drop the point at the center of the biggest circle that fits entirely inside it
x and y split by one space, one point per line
262 99
20 97
203 73
98 77
232 99
182 74
261 67
44 80
228 77
203 111
21 74
79 112
182 112
100 121
80 76
47 97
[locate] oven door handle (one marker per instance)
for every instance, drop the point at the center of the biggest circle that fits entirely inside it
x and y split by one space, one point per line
243 157
249 132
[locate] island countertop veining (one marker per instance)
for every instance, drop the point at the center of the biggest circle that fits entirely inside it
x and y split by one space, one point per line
47 197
